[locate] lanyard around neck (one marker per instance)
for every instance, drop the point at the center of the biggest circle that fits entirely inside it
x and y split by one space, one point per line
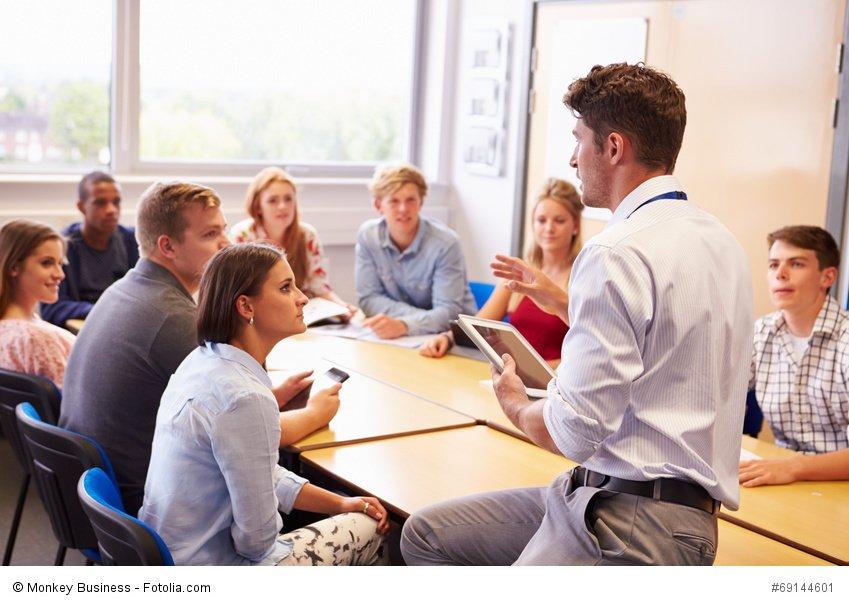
670 195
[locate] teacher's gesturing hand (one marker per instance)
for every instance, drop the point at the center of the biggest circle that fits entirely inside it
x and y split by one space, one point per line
527 280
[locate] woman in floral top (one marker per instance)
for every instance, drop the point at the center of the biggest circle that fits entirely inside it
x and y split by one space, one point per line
31 256
272 204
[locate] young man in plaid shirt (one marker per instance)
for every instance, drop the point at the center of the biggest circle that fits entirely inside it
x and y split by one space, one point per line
800 361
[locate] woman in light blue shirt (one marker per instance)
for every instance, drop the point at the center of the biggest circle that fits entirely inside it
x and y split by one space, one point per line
214 489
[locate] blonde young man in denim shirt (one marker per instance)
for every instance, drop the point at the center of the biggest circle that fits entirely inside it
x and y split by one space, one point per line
410 273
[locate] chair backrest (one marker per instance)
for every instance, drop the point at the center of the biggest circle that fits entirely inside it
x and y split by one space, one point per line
16 387
481 291
754 418
123 540
59 458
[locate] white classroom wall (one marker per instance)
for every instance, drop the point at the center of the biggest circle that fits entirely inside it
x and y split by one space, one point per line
482 207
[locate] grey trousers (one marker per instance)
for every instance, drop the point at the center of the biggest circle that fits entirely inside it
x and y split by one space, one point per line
558 526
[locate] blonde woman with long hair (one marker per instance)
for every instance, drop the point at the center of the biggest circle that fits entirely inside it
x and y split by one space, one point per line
31 257
272 205
556 220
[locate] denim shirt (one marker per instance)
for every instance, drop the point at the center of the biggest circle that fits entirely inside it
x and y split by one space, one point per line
425 286
213 487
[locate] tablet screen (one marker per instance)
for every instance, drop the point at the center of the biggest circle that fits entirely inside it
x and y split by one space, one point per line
527 367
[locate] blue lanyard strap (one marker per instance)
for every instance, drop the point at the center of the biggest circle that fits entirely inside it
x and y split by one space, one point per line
670 195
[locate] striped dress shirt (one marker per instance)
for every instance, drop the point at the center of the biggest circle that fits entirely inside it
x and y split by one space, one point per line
654 369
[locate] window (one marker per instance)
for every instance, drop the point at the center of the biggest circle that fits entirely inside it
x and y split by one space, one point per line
54 86
226 88
275 80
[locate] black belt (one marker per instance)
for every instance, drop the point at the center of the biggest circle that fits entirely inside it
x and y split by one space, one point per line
662 489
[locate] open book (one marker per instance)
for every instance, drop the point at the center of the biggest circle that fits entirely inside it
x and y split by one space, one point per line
320 309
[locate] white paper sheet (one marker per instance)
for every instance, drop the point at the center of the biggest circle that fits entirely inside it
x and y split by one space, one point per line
468 352
356 331
348 331
746 455
413 342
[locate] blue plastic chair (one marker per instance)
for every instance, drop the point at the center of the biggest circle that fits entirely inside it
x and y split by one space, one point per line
59 457
123 540
16 387
481 291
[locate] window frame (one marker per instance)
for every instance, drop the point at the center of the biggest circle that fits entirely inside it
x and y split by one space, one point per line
125 105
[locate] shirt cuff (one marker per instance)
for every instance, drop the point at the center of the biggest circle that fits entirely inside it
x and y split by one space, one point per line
287 487
560 419
422 324
414 326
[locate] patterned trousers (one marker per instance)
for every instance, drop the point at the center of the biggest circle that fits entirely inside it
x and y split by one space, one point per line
347 539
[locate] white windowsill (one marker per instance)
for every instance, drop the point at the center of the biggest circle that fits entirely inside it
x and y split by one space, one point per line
75 177
36 179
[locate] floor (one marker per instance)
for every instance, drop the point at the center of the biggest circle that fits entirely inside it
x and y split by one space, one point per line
35 545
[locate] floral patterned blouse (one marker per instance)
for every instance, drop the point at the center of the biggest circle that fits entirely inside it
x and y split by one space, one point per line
316 283
35 347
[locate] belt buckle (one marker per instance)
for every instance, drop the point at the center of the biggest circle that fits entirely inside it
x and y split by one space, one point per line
581 476
593 479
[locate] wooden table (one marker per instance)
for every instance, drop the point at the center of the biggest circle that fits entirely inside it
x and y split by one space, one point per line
412 472
741 547
370 410
811 516
301 352
456 382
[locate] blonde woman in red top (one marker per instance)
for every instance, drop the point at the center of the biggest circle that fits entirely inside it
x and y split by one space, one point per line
557 241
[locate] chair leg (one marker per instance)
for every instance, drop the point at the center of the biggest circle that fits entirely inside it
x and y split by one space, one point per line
16 520
60 556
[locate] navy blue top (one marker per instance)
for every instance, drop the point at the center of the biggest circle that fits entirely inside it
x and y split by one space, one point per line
89 272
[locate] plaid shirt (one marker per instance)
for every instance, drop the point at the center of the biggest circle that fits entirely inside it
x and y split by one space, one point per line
805 403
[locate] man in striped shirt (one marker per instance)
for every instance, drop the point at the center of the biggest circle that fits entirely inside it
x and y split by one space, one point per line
800 361
649 396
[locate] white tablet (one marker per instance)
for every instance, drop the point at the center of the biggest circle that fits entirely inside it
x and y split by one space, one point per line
496 338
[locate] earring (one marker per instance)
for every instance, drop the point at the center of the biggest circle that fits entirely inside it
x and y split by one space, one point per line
251 321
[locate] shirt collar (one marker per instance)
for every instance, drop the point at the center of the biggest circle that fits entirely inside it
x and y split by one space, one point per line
825 324
239 356
644 191
155 271
413 248
828 317
774 322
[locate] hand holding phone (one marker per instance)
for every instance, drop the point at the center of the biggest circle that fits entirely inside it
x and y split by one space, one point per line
326 380
324 396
